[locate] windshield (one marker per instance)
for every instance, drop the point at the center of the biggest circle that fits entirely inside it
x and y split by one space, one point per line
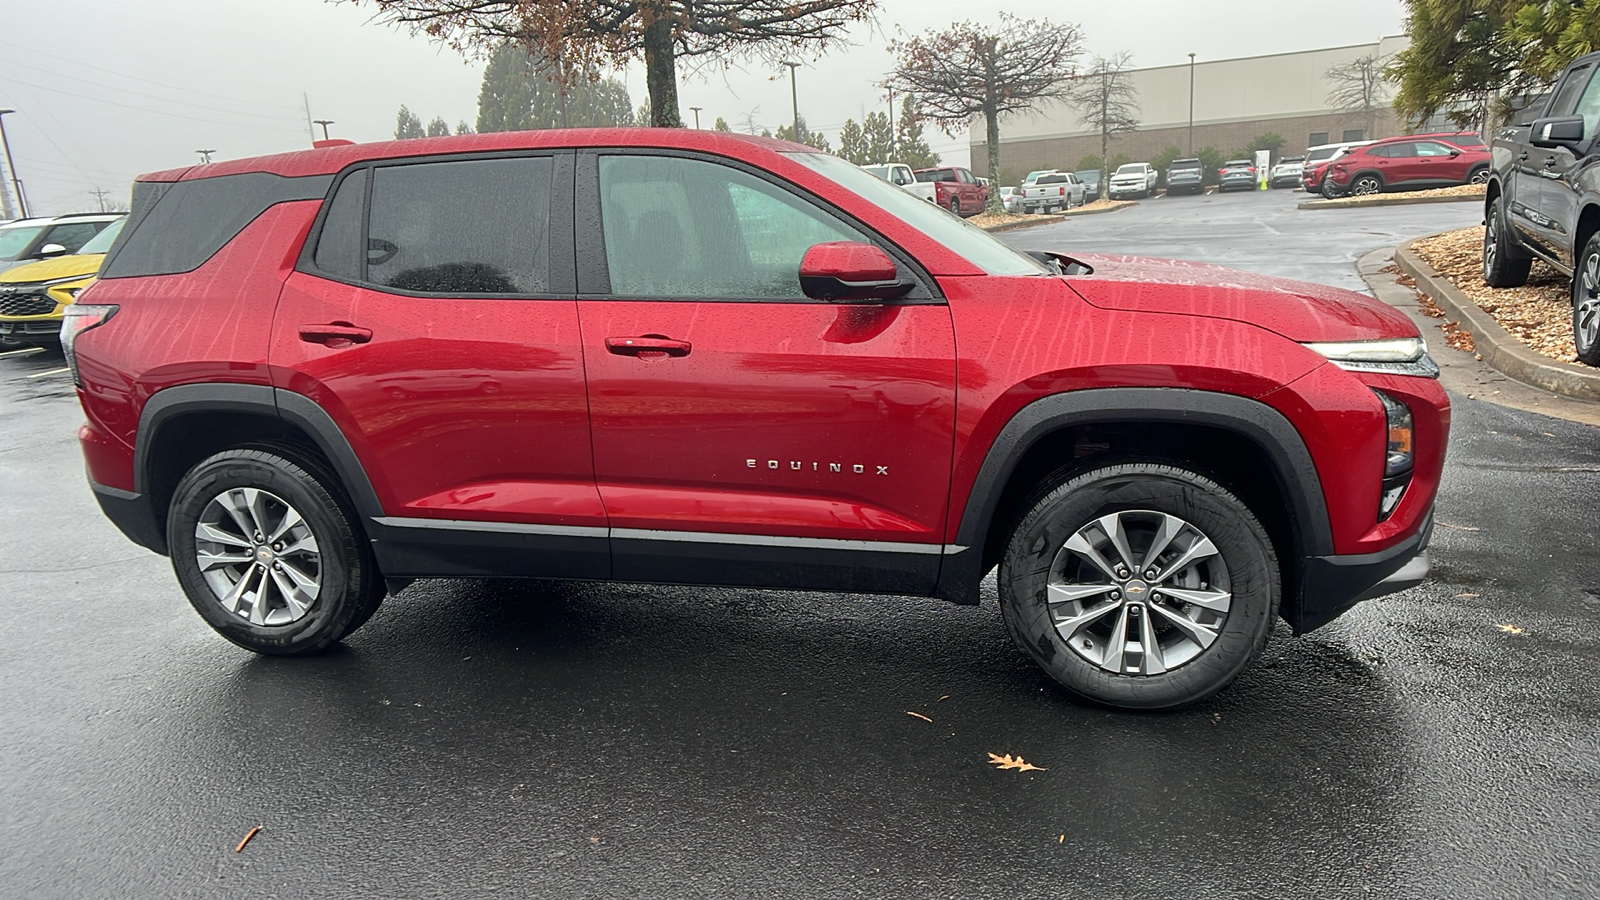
967 241
1090 175
15 240
101 242
1179 165
1130 169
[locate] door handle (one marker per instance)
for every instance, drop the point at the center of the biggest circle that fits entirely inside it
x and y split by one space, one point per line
1524 156
649 343
1550 162
335 334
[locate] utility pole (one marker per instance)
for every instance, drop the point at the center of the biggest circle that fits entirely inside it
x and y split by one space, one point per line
11 164
697 116
309 130
324 123
205 155
794 97
1191 104
100 197
891 125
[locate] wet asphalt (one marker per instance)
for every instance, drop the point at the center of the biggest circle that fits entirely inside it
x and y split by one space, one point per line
574 741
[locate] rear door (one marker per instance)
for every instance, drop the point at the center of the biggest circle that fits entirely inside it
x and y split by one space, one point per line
743 432
432 318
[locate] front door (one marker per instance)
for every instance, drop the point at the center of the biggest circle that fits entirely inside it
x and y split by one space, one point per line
448 352
1558 202
744 433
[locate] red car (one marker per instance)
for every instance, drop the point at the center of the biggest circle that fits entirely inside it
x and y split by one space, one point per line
952 188
1406 163
678 356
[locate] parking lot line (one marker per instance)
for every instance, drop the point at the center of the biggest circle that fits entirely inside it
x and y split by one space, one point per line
25 351
50 372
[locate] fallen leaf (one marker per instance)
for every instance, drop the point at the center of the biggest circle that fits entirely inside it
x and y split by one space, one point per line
1457 527
1062 839
1548 434
1509 629
1010 762
253 832
1466 594
918 715
945 697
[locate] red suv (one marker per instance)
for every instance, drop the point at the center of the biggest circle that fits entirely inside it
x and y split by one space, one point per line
1406 163
677 356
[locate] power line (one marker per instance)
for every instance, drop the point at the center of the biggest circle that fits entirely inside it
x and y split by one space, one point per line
83 65
158 112
185 103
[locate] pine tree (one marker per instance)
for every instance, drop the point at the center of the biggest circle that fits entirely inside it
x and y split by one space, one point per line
407 125
909 145
438 127
879 138
853 144
522 93
463 128
721 125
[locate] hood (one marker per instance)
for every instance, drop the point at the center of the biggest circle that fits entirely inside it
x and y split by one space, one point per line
82 265
1295 309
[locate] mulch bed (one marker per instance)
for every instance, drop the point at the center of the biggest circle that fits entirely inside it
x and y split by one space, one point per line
1539 314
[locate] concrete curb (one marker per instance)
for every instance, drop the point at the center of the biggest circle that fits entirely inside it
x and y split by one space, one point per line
1496 345
1052 219
1363 202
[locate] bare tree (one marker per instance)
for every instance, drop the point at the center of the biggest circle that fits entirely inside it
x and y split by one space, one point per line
972 69
583 34
1358 89
1105 98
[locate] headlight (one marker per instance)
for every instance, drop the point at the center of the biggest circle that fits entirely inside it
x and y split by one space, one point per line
1392 356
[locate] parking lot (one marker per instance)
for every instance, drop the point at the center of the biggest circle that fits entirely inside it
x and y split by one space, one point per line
574 740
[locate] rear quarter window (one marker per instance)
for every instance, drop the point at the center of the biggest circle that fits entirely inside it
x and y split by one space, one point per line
175 228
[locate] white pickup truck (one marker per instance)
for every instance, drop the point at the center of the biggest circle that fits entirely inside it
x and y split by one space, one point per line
895 173
1133 179
1052 191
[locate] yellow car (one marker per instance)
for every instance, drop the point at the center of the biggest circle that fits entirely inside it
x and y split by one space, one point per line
33 297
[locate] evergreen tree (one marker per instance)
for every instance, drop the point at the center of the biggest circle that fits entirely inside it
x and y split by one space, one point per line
806 136
721 125
853 144
523 93
463 128
407 125
879 138
910 147
438 127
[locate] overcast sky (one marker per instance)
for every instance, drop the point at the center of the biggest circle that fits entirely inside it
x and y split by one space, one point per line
107 89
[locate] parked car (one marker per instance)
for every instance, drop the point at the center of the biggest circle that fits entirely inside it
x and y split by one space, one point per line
1405 163
33 297
1317 160
952 188
1133 180
1091 183
1235 174
29 240
1053 191
895 173
1541 199
1011 199
1186 176
719 360
1287 172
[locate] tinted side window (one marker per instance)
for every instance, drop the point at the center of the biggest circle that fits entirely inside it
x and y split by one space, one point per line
1566 98
339 245
1589 107
685 228
74 235
471 226
188 222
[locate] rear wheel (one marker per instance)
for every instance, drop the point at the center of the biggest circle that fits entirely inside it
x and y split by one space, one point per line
1328 189
1366 186
1139 585
269 554
1504 264
1586 304
955 205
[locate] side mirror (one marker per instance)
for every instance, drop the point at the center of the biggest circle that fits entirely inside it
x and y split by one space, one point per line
1454 153
1560 131
845 270
51 250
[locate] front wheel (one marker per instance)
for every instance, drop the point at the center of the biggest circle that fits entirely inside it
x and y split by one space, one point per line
1478 176
1140 585
1586 304
1503 264
269 554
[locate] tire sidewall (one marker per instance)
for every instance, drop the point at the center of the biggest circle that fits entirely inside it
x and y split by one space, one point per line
331 614
1589 355
1244 546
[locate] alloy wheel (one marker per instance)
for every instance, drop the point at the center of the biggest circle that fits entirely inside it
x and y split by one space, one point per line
259 556
1586 306
1479 177
1138 592
1365 186
1491 237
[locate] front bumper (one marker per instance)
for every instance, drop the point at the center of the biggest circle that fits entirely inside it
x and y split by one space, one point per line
133 514
31 328
1331 585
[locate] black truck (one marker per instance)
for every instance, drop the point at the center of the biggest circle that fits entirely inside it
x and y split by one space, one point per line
1543 198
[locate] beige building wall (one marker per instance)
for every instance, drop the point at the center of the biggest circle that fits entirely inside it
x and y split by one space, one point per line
1234 101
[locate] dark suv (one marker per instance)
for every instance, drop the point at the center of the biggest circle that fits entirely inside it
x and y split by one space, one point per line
1543 198
1186 176
675 356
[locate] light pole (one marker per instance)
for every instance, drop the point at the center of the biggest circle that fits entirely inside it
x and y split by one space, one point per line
1191 104
697 116
22 200
205 155
324 123
794 98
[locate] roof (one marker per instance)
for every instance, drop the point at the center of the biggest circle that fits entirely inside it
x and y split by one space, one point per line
329 160
45 220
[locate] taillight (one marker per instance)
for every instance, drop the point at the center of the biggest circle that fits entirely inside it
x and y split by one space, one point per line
1062 191
76 319
1251 170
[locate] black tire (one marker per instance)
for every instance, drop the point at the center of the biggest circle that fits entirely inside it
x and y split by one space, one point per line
1586 303
1479 175
1056 513
955 206
351 587
1328 190
1504 263
1366 184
